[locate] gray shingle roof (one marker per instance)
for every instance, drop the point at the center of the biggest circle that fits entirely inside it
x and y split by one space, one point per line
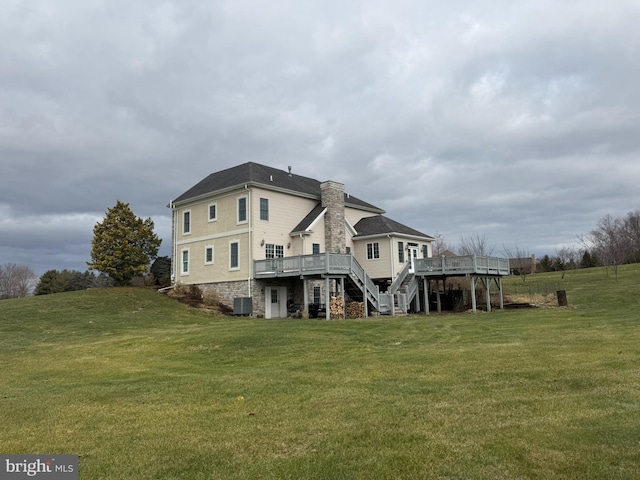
380 225
268 177
308 220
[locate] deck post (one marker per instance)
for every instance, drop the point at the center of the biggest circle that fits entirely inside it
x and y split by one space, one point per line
327 298
344 300
473 292
438 294
487 282
426 295
305 293
417 299
500 288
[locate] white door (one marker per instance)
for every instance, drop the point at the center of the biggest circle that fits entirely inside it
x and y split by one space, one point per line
412 252
275 302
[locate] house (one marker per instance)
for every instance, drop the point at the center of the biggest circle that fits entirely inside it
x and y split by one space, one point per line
291 242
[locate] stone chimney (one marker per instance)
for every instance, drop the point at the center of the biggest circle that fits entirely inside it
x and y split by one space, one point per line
332 194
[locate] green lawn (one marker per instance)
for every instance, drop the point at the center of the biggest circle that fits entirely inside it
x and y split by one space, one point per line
144 388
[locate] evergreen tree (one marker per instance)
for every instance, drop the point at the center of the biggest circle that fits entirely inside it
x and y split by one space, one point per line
161 271
123 244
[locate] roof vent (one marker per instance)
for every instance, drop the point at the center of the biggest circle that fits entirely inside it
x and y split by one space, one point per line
289 170
271 178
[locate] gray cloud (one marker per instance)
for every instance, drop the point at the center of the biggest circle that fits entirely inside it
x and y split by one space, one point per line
514 119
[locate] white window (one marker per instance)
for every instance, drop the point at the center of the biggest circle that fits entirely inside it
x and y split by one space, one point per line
208 255
373 251
213 212
401 252
316 295
234 256
264 209
273 251
186 222
184 264
242 210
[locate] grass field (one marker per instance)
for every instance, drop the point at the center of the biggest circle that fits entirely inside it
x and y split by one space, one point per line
142 387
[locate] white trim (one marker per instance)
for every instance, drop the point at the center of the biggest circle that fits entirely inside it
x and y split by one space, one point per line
350 227
373 251
260 209
184 272
207 247
212 204
246 209
232 233
236 268
315 222
184 212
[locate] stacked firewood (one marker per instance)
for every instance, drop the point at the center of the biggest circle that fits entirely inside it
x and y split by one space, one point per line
355 309
336 309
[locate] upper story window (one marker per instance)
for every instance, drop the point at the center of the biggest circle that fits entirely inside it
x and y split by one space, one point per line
242 210
316 248
186 222
401 252
234 256
213 212
348 250
373 251
264 209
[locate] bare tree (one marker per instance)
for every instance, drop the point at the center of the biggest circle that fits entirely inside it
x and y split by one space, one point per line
475 245
609 242
439 246
520 260
566 259
16 281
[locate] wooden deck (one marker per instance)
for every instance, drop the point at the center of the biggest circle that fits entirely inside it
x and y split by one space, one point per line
462 266
344 264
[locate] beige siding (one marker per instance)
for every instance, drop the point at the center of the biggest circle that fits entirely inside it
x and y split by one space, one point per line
285 212
375 268
354 215
218 234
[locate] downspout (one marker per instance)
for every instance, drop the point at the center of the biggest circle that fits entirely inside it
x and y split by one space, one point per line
250 245
174 243
392 259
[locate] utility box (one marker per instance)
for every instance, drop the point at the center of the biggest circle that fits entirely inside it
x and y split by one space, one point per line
242 306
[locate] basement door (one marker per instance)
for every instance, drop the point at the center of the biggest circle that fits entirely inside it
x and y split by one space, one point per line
275 302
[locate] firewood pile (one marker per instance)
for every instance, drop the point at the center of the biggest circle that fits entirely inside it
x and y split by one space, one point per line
336 308
355 309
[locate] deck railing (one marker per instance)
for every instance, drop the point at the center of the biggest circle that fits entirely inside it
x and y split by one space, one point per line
475 264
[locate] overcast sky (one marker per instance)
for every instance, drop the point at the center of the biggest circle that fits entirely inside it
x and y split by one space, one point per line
518 120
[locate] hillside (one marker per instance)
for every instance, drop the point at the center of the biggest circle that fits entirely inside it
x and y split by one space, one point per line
142 387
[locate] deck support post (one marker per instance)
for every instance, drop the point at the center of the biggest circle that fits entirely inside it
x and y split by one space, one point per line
305 294
438 295
425 282
327 298
487 286
501 297
473 293
344 300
